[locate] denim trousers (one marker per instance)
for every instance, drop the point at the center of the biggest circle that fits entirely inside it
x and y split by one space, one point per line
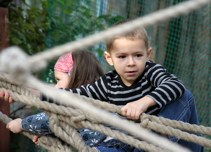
114 145
183 109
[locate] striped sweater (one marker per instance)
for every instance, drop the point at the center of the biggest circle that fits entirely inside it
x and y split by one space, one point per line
155 82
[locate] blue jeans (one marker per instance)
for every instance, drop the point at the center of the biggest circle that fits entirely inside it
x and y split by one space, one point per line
114 145
183 109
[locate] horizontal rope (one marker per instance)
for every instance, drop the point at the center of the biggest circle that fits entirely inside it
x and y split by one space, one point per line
106 106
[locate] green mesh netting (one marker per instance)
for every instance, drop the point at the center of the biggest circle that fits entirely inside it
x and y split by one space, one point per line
181 44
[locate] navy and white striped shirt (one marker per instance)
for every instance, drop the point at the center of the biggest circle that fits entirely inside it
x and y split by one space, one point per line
155 82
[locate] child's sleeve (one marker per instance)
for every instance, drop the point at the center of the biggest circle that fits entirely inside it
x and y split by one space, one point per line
97 90
36 124
167 86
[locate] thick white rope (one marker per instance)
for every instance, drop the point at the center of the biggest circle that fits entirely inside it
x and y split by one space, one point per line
63 97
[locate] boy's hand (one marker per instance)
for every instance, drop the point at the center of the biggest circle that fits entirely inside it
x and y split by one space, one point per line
133 110
15 125
5 96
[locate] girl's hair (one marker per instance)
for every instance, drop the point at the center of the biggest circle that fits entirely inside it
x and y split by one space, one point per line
86 68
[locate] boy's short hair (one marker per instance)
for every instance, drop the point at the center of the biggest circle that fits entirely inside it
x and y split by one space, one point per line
134 35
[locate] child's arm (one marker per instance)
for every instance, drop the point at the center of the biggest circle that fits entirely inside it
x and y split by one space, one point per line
133 110
96 90
35 124
167 88
15 125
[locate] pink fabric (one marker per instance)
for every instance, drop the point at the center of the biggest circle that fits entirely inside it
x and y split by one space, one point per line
64 63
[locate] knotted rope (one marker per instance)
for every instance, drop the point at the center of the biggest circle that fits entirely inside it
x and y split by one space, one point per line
70 119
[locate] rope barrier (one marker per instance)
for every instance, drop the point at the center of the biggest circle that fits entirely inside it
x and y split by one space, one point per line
69 116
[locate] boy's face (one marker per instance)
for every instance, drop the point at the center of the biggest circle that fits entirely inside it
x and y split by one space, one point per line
62 79
128 58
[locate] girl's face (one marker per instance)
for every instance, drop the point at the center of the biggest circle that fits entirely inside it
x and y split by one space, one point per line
62 79
128 58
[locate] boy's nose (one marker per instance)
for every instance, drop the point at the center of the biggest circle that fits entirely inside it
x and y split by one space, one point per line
131 61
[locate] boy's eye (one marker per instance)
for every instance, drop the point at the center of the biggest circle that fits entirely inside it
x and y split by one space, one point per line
121 56
139 55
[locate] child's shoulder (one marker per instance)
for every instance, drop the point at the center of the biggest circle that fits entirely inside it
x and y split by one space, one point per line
111 74
152 66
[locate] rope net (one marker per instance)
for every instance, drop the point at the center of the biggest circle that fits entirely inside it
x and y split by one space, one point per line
180 41
181 44
64 120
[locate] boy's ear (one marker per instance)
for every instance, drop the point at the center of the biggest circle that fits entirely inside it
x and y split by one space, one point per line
149 52
108 58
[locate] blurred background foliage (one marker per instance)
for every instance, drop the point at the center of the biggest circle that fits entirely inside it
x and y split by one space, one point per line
38 25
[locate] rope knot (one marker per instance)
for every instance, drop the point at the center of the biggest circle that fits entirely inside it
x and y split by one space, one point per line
14 62
78 118
144 120
144 123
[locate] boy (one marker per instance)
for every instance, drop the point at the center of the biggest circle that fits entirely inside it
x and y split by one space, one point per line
140 85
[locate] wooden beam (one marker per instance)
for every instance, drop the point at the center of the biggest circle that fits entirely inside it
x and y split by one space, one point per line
4 106
3 28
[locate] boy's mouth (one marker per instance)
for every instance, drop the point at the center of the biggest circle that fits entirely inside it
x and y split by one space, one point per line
131 73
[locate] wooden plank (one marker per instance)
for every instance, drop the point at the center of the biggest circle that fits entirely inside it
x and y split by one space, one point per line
3 28
4 106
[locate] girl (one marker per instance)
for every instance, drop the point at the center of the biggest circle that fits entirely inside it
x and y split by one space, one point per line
70 71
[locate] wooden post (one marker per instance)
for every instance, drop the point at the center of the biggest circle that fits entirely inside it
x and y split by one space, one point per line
4 106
